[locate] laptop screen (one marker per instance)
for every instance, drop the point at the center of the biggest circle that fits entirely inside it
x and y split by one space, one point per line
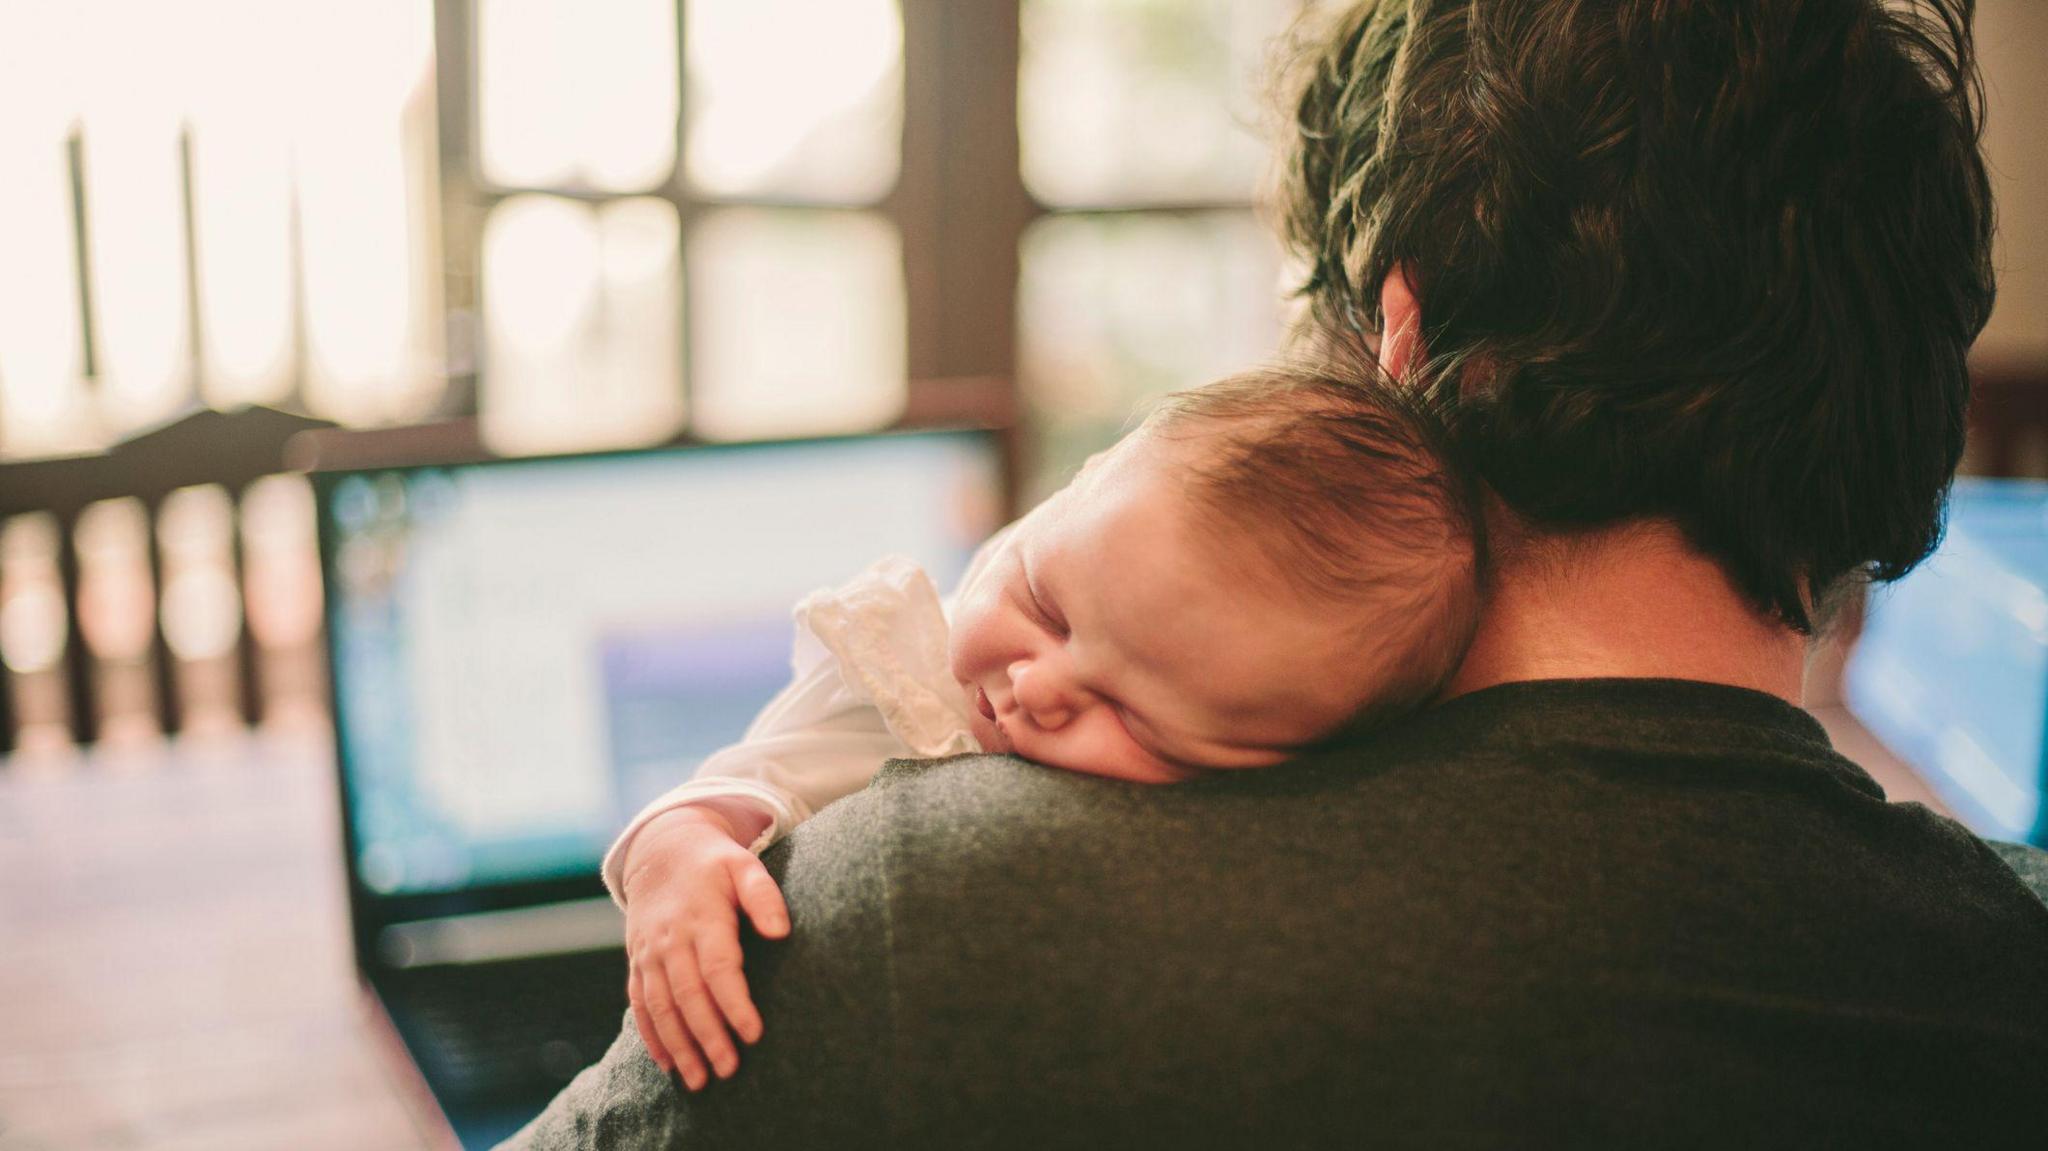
525 652
1951 668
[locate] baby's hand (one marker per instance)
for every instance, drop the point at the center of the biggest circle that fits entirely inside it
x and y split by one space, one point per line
686 878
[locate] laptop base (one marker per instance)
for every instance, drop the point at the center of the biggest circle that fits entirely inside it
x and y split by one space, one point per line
495 1042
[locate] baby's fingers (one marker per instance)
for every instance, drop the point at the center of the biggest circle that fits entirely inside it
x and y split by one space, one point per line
668 1025
760 898
698 1010
649 1038
719 957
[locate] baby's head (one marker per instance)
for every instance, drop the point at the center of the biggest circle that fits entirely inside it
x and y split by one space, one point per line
1268 561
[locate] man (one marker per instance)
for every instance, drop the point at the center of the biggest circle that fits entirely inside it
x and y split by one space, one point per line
1695 283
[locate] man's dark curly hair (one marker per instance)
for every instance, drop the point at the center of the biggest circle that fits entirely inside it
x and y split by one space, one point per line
1718 261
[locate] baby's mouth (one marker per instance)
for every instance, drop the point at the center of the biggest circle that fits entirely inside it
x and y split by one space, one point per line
993 739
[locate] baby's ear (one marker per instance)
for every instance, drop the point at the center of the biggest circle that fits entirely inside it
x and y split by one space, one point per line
1401 326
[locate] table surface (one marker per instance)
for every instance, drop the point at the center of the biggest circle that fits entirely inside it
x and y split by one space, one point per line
174 958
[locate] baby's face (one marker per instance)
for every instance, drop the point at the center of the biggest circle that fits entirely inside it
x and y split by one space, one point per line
1107 633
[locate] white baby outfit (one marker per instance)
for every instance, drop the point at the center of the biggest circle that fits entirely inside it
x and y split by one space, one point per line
872 683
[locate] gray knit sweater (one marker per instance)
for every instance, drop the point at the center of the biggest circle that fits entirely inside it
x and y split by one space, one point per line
1573 913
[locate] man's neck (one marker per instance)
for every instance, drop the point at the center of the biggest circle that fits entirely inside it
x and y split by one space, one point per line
1632 602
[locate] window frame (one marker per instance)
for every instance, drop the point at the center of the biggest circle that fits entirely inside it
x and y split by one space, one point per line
958 204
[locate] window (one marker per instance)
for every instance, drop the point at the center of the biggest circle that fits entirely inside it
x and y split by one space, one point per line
1147 271
695 216
220 200
750 217
590 226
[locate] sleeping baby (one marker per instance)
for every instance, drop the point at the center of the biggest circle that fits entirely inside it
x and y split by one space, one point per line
1265 564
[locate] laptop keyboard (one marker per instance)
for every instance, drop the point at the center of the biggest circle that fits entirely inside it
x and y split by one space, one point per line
514 1027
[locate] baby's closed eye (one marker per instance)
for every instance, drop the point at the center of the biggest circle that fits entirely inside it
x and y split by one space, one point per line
1042 610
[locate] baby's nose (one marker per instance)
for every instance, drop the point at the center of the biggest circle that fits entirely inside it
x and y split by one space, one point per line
1042 695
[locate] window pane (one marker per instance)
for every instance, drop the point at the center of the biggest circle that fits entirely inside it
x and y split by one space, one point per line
794 98
573 94
1135 101
367 202
1115 310
797 323
242 199
44 406
338 97
130 120
242 204
582 324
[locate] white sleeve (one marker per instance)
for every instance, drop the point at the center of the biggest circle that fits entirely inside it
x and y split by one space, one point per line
871 684
813 744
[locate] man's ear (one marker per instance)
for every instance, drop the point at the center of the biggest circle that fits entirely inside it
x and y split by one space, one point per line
1401 320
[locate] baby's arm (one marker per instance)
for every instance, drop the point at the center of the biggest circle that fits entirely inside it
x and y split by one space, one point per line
771 781
869 665
685 868
689 879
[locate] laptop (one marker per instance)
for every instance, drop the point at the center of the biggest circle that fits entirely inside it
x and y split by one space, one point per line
1951 669
523 652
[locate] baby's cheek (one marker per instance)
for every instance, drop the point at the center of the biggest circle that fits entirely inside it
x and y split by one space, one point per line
1099 744
972 656
965 644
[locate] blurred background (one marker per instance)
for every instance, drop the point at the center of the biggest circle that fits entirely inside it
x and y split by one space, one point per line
606 225
544 226
582 225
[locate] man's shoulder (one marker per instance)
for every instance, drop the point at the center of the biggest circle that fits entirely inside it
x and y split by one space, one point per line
995 806
951 770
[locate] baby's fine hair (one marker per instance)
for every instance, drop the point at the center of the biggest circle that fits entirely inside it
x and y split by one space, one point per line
1346 486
